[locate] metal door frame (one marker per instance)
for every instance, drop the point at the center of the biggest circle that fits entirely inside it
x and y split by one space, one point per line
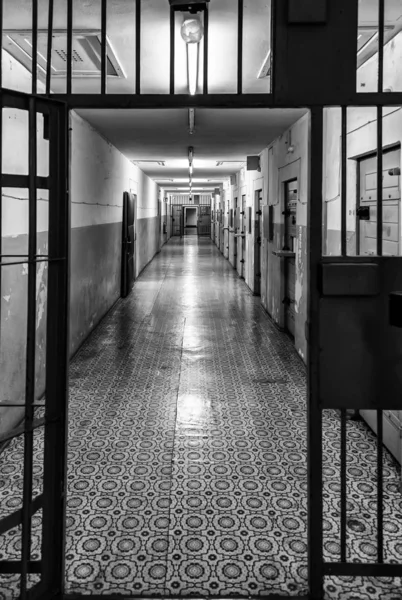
294 85
52 499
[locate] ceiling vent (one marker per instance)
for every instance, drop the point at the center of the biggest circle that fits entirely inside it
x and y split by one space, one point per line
86 52
161 163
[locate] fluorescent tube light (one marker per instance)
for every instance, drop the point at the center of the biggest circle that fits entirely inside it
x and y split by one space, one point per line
192 67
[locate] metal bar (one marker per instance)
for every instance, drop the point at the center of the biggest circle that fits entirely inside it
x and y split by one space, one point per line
25 262
57 355
30 355
49 47
314 412
13 520
240 46
379 180
34 46
206 31
1 48
166 101
343 179
138 47
380 532
381 23
343 486
69 45
14 566
9 180
20 255
363 569
103 47
21 429
172 50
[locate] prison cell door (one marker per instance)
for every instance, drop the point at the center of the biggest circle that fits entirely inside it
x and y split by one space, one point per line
367 209
128 243
204 220
257 241
177 211
236 232
290 264
243 228
42 143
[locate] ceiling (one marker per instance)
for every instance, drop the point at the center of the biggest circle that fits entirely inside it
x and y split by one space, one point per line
220 135
162 135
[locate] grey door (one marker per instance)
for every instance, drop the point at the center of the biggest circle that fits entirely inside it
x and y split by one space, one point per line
367 228
290 264
128 241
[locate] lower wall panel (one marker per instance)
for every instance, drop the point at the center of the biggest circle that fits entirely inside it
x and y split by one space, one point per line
95 277
147 244
95 287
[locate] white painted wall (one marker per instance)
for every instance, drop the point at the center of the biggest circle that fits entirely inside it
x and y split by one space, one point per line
100 174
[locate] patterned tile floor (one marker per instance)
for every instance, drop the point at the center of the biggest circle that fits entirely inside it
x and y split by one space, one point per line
187 451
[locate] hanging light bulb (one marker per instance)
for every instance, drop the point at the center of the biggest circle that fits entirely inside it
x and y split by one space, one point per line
192 32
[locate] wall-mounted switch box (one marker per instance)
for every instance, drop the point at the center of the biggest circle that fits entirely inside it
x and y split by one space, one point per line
306 12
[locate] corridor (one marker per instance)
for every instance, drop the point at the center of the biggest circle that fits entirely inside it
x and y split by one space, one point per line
187 470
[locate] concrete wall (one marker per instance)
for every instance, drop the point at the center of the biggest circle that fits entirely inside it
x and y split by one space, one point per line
277 166
99 176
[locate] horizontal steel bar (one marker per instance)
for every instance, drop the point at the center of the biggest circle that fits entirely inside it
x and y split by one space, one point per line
13 520
22 181
362 570
15 99
30 262
213 101
21 429
75 596
15 566
22 256
10 405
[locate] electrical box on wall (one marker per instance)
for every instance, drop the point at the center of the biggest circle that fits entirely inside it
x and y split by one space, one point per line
253 163
233 180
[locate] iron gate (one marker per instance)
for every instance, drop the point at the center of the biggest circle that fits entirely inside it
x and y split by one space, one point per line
48 415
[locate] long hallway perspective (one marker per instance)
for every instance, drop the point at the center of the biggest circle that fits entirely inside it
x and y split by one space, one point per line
187 466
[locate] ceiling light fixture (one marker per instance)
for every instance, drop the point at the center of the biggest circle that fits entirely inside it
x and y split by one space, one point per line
192 32
190 164
191 120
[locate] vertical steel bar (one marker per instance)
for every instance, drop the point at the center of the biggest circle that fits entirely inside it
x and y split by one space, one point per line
103 47
343 179
206 26
49 47
381 23
34 46
138 47
1 41
379 180
30 354
172 49
343 486
380 542
57 336
69 46
314 411
240 8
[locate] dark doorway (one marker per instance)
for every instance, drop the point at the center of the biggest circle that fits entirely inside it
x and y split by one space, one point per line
128 244
290 263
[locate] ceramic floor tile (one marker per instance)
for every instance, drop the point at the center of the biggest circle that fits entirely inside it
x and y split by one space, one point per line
187 443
